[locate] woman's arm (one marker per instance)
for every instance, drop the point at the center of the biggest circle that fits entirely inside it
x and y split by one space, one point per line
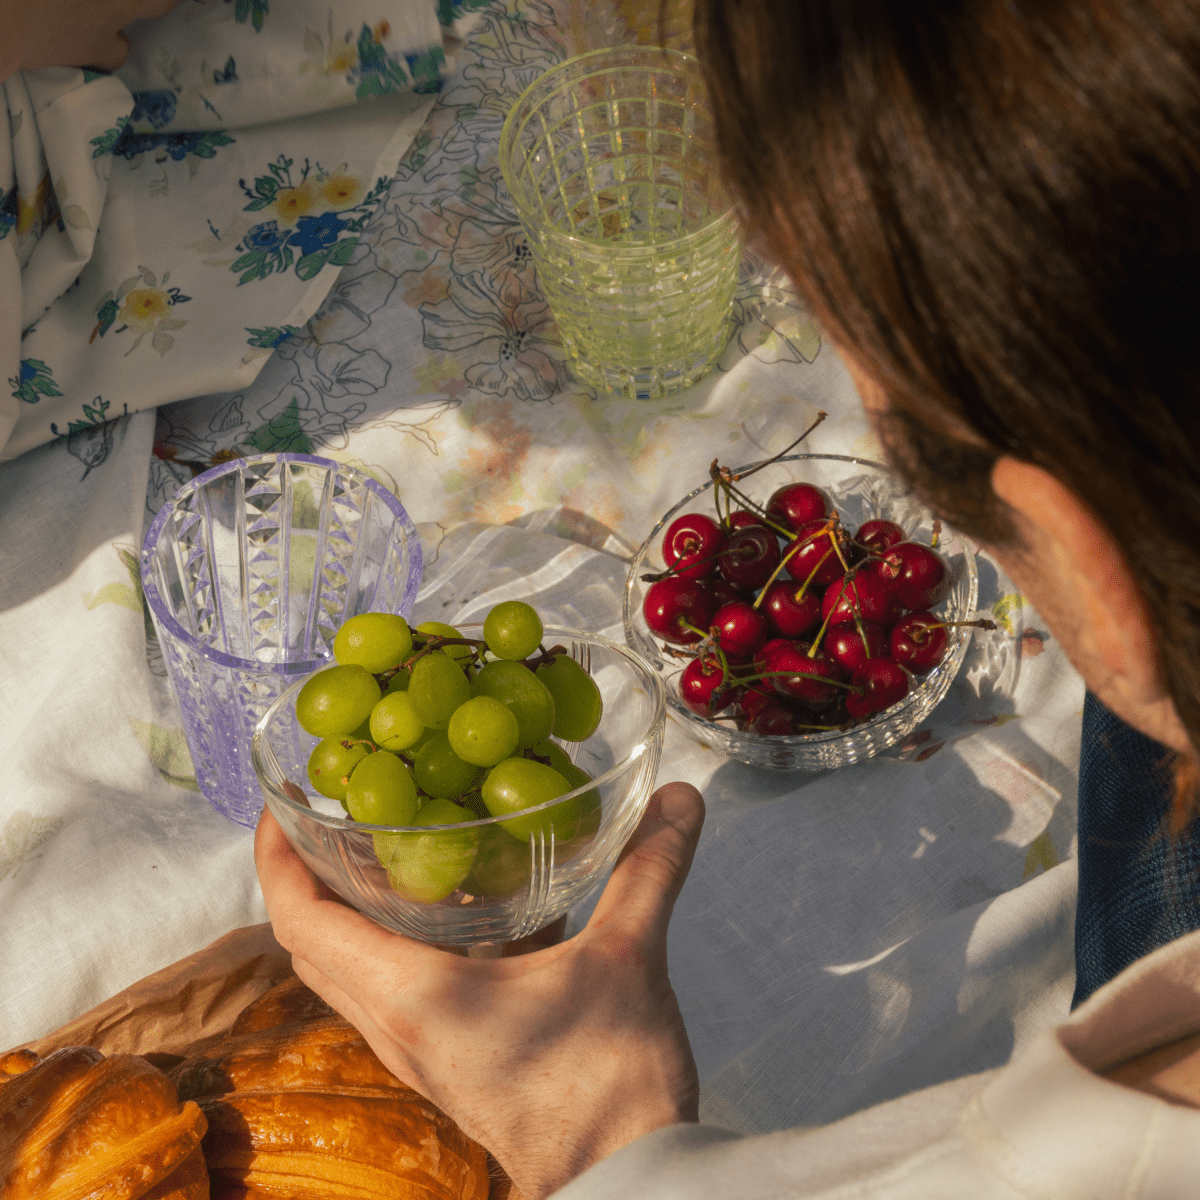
69 33
552 1060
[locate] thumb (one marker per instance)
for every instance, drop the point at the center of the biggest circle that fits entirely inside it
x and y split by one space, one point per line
645 883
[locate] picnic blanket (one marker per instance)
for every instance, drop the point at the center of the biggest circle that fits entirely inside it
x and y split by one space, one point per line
843 937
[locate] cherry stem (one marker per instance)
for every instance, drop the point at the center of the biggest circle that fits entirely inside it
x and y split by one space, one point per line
858 625
813 573
691 628
816 646
756 508
821 415
672 571
850 687
783 562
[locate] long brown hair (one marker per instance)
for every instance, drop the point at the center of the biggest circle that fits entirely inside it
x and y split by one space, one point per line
995 206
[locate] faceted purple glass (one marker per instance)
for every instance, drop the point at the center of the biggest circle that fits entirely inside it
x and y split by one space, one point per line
249 571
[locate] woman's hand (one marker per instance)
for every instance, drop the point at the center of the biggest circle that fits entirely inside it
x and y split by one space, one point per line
69 33
552 1060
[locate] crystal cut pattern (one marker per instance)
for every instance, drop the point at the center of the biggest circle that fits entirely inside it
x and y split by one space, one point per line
248 572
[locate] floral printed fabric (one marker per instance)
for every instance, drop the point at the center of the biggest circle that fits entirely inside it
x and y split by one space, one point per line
163 230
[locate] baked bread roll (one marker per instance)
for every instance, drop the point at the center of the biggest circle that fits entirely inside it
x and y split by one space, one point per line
79 1126
299 1107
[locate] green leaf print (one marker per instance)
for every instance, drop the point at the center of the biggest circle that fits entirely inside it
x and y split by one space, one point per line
33 381
270 336
310 264
109 138
282 435
168 750
1003 609
24 835
339 253
255 10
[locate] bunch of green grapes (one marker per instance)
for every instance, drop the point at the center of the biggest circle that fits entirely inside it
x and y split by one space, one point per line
427 727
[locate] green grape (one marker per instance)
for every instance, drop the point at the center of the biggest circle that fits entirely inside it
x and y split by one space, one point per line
519 783
512 630
555 753
419 745
483 731
363 732
437 688
514 684
440 772
382 791
428 866
377 641
399 681
394 724
330 765
589 802
458 653
473 801
502 864
577 703
336 700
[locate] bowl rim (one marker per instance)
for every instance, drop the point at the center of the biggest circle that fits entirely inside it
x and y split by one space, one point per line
254 666
259 748
667 58
799 740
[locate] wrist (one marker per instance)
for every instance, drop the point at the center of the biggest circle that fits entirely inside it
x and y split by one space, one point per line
542 1161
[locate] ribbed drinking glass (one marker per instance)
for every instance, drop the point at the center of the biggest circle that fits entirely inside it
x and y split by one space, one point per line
248 571
611 161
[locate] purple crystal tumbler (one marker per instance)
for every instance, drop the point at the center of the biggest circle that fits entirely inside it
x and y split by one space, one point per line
249 570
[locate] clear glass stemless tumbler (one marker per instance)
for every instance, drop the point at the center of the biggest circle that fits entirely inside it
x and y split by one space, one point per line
248 572
611 161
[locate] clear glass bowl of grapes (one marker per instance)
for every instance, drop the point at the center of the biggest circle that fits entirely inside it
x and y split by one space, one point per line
804 613
464 785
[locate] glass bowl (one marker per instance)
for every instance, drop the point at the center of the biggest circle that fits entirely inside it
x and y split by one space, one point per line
859 489
514 887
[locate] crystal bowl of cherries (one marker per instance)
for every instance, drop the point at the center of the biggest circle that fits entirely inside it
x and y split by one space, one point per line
805 613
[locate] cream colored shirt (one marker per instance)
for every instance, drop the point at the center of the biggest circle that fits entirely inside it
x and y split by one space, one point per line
1045 1126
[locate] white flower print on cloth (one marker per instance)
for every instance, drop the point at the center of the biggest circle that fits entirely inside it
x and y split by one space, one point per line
141 310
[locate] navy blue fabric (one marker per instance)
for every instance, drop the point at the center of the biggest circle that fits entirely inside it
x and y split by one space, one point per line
1138 889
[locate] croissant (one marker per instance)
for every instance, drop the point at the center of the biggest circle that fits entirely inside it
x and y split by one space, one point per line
299 1107
79 1126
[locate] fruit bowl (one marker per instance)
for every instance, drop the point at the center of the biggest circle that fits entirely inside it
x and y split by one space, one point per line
514 887
860 490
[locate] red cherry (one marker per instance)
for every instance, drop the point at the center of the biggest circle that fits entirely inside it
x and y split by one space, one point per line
691 544
752 702
796 504
739 628
673 604
805 676
791 613
887 584
815 552
774 719
921 574
749 557
700 687
721 592
763 657
845 645
857 595
884 682
743 518
919 642
879 535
